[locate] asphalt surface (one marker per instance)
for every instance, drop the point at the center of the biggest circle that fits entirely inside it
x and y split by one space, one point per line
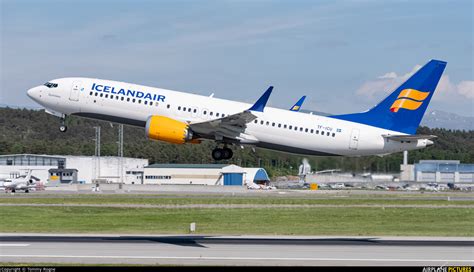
240 206
236 250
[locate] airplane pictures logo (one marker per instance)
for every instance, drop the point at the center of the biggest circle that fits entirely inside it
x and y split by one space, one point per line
409 99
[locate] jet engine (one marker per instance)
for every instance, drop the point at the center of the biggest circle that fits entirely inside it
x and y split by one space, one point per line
168 130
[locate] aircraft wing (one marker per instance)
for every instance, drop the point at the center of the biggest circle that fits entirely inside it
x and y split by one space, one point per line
232 126
400 138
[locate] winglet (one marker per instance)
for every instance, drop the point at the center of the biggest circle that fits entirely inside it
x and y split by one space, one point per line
262 101
297 106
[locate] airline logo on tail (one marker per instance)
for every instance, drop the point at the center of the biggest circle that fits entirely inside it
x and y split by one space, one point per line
295 108
409 99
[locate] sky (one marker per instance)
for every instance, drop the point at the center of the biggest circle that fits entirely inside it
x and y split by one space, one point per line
344 55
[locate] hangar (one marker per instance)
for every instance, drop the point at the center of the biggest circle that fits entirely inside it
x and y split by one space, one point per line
442 171
204 174
55 169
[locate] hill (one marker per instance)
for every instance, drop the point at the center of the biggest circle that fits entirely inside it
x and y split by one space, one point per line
32 131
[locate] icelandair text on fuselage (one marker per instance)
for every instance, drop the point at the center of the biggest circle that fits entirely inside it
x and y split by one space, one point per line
124 92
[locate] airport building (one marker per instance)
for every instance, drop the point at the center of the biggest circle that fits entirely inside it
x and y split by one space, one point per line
204 174
439 171
59 169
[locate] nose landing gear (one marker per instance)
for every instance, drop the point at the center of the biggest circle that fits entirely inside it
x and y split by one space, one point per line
62 126
222 153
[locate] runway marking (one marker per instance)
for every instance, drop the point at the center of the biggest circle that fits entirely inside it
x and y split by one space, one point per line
237 258
14 245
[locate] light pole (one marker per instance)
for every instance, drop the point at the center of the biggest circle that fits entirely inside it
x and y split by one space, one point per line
97 151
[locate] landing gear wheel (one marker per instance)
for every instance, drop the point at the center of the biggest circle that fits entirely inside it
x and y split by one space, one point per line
217 154
227 153
63 128
27 191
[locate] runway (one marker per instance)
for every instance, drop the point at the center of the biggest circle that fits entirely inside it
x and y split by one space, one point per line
236 250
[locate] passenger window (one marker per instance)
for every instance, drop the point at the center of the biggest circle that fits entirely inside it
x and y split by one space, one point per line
284 126
268 123
317 131
96 94
184 108
128 99
101 95
290 127
334 135
146 102
279 125
255 121
312 130
168 106
194 110
111 96
133 100
211 113
189 109
204 112
90 93
301 129
139 101
217 114
273 124
327 133
296 128
122 98
179 108
261 122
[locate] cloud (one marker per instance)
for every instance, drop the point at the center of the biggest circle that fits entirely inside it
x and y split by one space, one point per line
466 88
383 84
391 80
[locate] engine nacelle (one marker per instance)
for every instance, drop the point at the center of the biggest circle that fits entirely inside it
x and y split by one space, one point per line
168 130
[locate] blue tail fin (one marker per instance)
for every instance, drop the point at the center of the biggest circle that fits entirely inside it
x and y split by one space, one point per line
297 106
403 109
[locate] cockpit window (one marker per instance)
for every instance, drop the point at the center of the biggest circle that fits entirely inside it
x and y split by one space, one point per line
51 85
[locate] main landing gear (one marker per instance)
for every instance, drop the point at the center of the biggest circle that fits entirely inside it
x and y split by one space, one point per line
222 153
62 126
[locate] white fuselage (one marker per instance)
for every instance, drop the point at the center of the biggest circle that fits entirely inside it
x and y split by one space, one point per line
125 103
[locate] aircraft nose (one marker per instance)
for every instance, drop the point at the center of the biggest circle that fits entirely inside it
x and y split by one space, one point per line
34 93
31 92
429 142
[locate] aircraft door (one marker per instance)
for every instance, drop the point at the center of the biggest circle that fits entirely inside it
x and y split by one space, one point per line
76 88
354 139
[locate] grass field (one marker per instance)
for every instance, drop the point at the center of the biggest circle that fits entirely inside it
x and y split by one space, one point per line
288 221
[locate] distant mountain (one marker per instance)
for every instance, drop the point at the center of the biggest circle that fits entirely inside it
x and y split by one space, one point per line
447 120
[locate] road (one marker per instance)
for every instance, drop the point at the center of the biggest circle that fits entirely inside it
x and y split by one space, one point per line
236 250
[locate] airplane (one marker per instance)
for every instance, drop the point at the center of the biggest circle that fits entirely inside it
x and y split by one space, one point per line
25 183
179 118
297 106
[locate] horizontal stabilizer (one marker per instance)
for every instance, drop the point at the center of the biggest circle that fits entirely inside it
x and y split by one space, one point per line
400 138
